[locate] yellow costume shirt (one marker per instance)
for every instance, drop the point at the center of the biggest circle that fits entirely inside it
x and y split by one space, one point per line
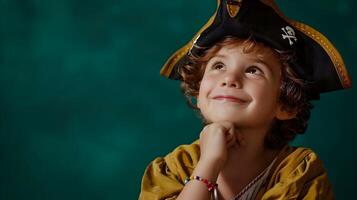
298 173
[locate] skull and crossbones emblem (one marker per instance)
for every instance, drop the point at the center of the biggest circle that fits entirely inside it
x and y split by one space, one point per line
289 34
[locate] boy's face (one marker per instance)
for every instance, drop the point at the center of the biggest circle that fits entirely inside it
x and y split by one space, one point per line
242 88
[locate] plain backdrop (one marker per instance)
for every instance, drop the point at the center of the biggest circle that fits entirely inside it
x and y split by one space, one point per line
83 109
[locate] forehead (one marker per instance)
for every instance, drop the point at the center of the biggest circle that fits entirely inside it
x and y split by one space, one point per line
251 53
254 51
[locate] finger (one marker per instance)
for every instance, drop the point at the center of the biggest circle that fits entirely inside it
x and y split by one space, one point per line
226 124
232 142
230 131
231 137
229 134
204 130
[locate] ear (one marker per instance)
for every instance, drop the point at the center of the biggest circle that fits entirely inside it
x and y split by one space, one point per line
283 114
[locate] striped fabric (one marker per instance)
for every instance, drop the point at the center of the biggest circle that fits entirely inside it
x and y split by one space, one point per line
250 191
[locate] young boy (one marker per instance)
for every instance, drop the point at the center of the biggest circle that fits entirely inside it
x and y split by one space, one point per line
253 73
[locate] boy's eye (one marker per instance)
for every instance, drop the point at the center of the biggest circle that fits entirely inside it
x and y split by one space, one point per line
218 65
254 70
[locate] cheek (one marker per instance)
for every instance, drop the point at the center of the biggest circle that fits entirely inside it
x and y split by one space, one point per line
266 95
206 87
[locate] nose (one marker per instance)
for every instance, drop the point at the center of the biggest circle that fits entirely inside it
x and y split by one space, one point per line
231 81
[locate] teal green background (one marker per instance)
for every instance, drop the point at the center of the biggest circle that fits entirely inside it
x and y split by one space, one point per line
83 109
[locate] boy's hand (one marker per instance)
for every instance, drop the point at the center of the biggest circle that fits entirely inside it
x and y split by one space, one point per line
215 139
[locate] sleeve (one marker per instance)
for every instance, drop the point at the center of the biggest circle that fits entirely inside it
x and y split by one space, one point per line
164 177
306 180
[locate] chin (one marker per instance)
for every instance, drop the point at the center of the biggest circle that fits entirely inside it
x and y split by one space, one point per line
231 117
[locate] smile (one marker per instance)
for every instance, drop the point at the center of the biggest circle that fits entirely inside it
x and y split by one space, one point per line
229 99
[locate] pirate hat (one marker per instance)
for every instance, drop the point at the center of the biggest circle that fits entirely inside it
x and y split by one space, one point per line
317 60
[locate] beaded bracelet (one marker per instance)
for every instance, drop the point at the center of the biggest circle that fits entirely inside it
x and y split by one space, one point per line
211 186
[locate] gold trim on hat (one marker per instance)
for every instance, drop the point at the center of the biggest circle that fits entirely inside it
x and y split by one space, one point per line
334 55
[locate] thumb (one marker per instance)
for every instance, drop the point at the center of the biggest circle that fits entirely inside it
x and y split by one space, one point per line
231 137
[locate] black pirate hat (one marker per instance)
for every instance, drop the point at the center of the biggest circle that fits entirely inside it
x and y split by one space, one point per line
317 60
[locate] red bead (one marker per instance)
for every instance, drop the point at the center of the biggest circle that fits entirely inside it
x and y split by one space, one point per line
209 185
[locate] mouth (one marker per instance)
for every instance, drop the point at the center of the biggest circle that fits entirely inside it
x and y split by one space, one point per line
229 99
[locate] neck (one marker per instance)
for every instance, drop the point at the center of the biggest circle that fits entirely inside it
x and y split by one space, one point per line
247 159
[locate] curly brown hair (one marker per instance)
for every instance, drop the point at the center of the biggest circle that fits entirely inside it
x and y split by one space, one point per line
295 93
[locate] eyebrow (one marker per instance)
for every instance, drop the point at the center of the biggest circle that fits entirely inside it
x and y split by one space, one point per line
261 61
218 56
254 59
258 60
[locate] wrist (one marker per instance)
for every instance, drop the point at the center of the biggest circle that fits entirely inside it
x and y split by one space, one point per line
208 169
214 162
